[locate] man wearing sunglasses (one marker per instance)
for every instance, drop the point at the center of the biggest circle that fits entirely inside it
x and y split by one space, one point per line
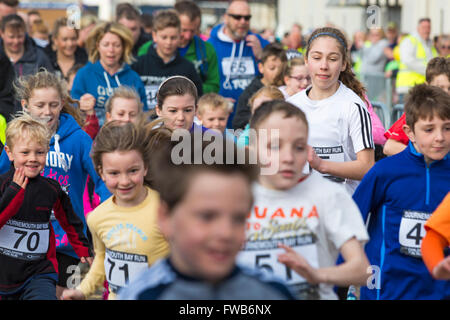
238 51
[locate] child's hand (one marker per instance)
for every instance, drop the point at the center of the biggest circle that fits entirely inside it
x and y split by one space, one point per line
20 178
72 294
87 259
442 270
87 103
299 264
314 160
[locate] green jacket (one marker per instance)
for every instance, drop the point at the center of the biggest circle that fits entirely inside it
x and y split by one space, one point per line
208 68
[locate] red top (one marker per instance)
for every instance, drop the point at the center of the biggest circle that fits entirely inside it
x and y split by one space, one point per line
396 131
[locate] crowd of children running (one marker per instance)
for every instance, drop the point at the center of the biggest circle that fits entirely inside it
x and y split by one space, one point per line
163 166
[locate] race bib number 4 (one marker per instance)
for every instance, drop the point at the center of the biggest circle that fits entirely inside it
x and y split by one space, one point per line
122 267
23 240
411 232
237 67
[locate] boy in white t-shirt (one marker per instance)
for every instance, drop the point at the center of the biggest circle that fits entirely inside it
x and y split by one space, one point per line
299 224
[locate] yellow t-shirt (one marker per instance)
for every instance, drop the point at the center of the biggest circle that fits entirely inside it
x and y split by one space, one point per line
126 240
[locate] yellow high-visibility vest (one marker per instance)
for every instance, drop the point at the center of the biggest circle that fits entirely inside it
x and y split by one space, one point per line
2 129
409 78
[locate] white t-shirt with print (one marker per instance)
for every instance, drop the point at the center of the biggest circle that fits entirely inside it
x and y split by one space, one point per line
316 217
339 127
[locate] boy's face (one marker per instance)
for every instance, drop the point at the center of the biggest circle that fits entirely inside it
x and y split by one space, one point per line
431 137
287 153
271 69
13 40
177 112
167 41
123 109
29 154
207 229
441 81
215 119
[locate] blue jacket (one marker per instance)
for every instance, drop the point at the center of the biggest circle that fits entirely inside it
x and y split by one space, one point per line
237 64
93 79
74 145
401 192
162 281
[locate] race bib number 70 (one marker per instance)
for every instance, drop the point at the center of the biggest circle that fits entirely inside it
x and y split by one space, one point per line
23 240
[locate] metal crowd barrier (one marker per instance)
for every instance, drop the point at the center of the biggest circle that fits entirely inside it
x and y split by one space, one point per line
379 89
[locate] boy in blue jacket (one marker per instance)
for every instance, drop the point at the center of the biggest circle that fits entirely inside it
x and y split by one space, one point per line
401 192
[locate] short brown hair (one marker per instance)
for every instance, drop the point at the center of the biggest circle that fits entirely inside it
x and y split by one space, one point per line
14 22
189 9
270 107
273 50
436 67
172 181
39 26
128 11
166 19
425 102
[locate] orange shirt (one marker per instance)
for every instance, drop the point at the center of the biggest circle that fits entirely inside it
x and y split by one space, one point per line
440 219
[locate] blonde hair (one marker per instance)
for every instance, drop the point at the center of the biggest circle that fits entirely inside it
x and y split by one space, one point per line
99 32
87 20
269 91
213 101
144 137
24 126
25 85
291 64
126 93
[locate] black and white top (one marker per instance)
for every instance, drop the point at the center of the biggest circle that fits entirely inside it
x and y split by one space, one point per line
339 127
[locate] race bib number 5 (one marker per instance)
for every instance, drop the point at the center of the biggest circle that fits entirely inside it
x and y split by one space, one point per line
411 232
23 240
122 267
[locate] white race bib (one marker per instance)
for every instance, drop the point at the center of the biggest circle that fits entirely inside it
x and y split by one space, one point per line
151 91
238 67
263 254
24 240
122 267
335 154
411 232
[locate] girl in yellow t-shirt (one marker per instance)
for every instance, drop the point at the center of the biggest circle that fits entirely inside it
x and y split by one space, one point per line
124 228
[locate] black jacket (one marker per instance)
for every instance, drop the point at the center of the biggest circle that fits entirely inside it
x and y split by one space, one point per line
27 239
81 57
7 103
153 71
243 114
143 38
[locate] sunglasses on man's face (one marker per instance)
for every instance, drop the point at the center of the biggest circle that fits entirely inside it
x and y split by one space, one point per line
239 17
445 47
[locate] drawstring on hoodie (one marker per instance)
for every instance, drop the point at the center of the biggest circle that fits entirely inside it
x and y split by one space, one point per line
110 90
227 84
58 153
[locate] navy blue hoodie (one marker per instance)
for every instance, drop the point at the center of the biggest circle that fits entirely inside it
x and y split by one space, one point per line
69 163
94 79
